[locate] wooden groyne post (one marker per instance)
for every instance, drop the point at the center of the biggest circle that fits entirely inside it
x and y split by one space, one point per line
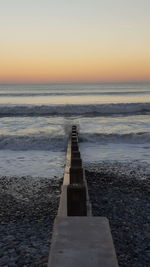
79 239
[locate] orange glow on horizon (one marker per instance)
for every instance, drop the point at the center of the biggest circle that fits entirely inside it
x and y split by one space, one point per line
73 62
68 67
75 71
74 41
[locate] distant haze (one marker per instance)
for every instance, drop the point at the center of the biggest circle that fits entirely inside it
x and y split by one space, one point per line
74 41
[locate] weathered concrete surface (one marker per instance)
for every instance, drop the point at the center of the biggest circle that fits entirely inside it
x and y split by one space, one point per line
82 241
62 210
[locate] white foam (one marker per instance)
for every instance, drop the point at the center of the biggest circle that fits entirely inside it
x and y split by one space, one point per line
130 138
32 163
121 152
33 142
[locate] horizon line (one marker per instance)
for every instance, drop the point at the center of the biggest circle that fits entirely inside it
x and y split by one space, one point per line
74 82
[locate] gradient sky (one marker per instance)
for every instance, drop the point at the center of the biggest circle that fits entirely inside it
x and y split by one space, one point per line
68 40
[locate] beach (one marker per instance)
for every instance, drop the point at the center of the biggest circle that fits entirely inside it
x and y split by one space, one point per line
75 80
113 120
29 206
27 210
125 201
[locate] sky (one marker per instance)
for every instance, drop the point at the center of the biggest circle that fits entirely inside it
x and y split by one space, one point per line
74 41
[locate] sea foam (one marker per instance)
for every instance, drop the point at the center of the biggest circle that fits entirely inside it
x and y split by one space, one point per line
59 142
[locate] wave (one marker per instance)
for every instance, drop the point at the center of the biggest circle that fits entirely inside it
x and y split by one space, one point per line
91 109
131 138
77 93
59 142
33 142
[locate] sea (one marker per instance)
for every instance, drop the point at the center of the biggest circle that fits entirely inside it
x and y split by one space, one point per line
113 120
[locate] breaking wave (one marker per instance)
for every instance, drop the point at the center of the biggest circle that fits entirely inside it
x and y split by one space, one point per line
97 109
33 142
59 142
131 138
71 93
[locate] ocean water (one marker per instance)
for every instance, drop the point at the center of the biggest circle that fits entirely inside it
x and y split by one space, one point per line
113 120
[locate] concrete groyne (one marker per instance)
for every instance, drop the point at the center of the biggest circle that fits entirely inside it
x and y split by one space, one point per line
79 239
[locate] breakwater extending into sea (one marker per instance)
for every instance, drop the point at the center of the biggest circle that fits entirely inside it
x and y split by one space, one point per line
114 127
29 206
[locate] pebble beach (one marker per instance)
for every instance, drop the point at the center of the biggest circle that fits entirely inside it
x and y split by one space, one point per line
125 200
28 207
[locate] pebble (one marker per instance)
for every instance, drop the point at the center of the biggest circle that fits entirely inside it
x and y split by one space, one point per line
125 201
28 207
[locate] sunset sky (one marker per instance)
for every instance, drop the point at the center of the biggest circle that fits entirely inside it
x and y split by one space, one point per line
74 41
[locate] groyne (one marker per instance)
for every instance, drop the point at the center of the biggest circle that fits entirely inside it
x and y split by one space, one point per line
79 239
